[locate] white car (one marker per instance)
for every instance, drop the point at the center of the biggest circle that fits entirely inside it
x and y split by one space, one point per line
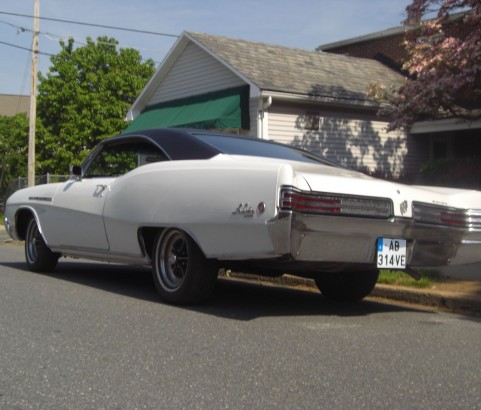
191 202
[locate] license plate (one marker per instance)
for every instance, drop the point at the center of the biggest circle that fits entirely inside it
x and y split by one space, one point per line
391 253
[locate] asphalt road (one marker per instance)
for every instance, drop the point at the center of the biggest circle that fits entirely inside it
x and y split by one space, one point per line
95 336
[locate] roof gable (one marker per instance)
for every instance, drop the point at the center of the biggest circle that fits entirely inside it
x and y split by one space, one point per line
273 68
290 70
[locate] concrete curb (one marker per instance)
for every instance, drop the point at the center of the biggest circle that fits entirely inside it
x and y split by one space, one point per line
450 301
444 300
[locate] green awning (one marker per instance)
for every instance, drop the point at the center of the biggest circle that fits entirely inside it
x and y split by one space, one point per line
226 109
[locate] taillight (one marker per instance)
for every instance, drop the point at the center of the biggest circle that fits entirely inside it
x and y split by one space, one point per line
334 204
441 215
454 218
305 203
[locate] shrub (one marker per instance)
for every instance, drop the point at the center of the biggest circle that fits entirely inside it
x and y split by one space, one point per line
457 173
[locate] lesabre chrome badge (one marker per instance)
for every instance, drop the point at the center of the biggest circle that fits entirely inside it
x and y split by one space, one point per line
244 209
403 207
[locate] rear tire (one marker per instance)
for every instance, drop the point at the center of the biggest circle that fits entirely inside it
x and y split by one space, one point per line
349 286
38 256
181 273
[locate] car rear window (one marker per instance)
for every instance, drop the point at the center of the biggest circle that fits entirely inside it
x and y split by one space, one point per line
258 148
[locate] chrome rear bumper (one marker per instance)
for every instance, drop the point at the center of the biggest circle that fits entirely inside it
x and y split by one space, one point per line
317 238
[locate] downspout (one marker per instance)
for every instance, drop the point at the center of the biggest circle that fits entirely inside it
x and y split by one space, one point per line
262 117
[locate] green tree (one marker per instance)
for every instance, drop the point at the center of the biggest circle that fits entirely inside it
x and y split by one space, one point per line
443 64
84 98
13 148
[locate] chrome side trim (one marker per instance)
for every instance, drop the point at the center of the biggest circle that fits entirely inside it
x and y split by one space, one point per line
101 255
40 198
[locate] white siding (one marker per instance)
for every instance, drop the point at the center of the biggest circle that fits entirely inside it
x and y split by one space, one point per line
352 140
194 73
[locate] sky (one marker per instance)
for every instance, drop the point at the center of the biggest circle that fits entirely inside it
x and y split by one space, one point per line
302 24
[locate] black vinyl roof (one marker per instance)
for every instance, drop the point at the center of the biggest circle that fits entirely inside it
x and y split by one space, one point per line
185 144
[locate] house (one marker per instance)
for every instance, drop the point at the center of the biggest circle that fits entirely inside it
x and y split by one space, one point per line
310 99
385 46
11 105
447 138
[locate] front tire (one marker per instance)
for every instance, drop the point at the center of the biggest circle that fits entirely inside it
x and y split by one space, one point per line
349 286
38 256
181 273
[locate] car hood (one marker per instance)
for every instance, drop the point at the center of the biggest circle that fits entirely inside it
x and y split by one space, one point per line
38 193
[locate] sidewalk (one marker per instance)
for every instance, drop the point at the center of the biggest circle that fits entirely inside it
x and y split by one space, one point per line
3 234
454 295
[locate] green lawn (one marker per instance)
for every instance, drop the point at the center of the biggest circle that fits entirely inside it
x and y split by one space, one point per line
428 278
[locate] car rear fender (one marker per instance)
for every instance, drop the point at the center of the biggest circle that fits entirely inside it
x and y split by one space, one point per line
146 236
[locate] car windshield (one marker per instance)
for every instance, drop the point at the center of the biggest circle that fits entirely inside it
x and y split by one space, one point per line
257 148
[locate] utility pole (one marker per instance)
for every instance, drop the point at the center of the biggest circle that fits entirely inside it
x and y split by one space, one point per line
33 96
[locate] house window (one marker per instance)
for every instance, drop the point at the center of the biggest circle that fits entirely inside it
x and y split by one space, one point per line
440 147
311 121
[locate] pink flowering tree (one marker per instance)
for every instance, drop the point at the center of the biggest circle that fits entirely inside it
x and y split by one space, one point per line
443 66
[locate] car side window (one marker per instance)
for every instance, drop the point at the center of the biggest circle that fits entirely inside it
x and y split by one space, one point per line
118 159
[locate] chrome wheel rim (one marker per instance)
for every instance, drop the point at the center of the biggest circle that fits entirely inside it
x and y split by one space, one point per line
33 242
173 260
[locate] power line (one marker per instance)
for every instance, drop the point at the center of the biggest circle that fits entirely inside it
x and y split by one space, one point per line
50 35
25 48
92 24
52 55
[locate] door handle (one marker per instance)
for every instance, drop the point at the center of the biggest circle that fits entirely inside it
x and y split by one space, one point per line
100 189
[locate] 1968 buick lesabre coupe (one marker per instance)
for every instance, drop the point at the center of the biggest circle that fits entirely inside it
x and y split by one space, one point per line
190 202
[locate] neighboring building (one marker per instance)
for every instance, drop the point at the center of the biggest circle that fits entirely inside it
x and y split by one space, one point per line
11 105
447 138
384 46
314 100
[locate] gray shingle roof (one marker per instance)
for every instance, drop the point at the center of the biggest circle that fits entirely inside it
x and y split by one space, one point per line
290 70
14 104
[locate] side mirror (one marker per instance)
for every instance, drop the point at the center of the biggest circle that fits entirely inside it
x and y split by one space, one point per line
76 171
